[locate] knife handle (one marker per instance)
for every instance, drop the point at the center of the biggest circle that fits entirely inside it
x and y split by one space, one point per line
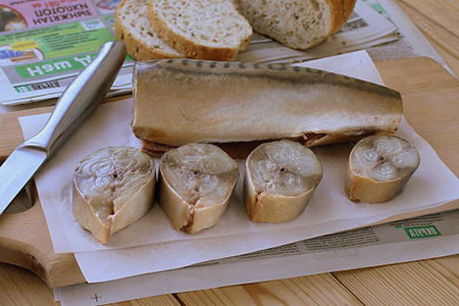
80 98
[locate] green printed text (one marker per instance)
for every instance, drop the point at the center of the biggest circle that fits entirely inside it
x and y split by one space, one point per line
417 232
54 66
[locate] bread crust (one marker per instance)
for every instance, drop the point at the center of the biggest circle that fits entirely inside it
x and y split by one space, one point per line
341 11
189 47
136 48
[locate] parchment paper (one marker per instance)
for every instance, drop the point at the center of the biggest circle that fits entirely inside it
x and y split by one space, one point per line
99 266
329 211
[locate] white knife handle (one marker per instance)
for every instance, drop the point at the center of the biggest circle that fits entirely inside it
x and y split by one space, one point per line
80 98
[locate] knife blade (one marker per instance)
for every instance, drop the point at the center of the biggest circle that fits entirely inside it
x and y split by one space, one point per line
79 100
17 170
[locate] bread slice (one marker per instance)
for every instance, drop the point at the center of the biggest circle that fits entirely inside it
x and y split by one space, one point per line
298 24
205 29
134 29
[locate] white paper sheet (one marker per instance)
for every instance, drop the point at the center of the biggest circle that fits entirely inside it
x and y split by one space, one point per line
98 266
329 211
349 250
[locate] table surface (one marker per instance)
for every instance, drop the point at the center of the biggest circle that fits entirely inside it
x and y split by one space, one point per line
434 281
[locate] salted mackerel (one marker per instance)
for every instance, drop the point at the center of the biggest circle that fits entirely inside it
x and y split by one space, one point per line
178 101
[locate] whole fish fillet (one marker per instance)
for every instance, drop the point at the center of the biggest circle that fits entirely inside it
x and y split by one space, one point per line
179 101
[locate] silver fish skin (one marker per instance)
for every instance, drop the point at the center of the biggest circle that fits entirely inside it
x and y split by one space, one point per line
178 101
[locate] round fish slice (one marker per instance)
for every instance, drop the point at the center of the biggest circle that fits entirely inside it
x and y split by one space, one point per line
379 167
196 183
280 180
112 188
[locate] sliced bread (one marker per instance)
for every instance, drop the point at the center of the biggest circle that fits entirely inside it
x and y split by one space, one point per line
134 29
206 29
298 24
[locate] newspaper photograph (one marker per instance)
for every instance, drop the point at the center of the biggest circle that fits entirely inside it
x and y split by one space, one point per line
44 44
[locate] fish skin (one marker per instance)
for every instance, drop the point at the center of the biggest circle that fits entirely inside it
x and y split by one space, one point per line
182 101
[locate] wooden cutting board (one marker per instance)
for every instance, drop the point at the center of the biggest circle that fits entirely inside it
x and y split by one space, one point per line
431 104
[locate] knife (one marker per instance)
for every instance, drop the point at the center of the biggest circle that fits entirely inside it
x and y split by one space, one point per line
79 99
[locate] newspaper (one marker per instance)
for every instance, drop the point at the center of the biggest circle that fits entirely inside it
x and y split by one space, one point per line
411 41
44 44
415 239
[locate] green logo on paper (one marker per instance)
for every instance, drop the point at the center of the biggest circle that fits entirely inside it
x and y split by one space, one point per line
46 68
417 232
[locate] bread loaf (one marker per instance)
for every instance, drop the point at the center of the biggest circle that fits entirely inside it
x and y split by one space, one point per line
134 29
206 29
298 24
